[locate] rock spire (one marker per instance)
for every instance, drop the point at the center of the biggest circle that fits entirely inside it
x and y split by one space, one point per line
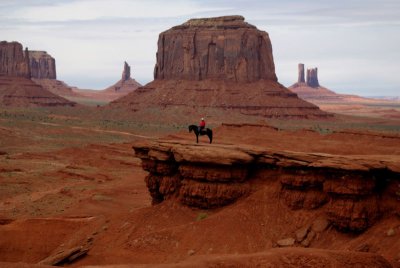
312 77
126 73
300 78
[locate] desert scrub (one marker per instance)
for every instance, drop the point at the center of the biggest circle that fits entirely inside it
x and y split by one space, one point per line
201 216
321 130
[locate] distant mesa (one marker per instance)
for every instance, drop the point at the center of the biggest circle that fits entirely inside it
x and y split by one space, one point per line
16 87
14 61
219 64
43 73
42 65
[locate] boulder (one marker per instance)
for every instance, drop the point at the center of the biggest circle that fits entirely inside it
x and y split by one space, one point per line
302 233
320 225
287 242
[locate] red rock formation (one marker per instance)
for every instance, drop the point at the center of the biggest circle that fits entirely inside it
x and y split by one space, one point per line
312 77
224 48
300 78
125 85
348 189
313 92
126 74
43 66
57 87
16 87
13 60
217 64
23 92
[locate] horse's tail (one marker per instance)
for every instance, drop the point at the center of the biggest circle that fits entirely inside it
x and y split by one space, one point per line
210 135
190 129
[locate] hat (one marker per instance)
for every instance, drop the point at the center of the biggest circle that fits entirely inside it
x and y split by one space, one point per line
202 118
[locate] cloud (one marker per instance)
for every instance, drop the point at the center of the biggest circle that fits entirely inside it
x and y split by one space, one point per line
354 43
95 9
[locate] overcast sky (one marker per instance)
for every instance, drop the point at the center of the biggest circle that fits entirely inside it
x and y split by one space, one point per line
354 43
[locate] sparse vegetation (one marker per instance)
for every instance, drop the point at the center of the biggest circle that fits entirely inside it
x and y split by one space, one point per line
201 216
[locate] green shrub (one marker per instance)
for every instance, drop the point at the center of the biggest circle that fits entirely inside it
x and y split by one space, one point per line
201 216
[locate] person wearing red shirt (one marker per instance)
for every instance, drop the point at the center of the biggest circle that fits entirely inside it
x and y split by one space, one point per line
202 125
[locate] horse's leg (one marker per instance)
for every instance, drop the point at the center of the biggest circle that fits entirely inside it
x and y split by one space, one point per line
197 138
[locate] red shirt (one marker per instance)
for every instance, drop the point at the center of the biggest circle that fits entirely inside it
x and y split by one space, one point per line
202 123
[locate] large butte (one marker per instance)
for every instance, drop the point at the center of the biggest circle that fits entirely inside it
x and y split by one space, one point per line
217 65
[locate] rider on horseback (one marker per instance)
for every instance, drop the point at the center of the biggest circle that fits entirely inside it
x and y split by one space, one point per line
202 125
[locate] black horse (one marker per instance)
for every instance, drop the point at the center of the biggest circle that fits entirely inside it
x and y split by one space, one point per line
196 131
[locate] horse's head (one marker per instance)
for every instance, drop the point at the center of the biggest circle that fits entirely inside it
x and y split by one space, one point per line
192 127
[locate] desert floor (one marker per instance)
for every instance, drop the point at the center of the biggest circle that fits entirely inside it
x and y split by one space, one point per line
71 180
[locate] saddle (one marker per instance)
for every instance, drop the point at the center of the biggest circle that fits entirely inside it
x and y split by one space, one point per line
203 132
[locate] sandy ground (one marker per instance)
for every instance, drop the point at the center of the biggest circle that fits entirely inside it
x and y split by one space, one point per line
64 186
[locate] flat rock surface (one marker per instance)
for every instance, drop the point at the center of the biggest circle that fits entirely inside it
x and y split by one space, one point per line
231 154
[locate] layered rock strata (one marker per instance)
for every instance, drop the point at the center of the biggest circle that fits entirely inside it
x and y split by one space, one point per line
42 65
352 191
225 48
14 61
23 92
222 63
16 87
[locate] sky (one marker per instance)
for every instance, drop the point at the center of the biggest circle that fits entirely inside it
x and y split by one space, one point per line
354 43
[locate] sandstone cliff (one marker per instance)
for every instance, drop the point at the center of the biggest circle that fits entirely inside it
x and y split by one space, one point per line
224 48
43 66
16 87
216 64
352 191
13 60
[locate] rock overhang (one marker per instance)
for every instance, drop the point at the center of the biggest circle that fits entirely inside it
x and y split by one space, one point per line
348 188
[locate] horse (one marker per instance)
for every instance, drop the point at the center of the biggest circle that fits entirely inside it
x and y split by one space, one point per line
196 131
